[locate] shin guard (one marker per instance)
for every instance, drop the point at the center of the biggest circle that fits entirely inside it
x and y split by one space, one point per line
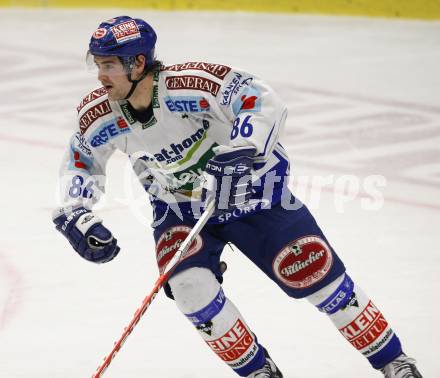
200 297
358 320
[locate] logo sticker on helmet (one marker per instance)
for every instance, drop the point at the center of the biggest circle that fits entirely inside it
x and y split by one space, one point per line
126 31
99 33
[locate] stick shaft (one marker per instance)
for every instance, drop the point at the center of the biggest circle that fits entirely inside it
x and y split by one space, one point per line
157 286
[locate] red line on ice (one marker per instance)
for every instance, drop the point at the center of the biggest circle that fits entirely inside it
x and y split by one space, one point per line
14 297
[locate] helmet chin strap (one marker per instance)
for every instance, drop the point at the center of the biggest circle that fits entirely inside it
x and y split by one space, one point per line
134 83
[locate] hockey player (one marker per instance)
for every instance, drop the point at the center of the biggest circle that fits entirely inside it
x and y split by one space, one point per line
196 132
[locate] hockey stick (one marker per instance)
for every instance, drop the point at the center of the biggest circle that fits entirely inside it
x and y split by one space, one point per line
157 286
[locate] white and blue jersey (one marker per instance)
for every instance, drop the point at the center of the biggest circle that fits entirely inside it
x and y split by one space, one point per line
196 107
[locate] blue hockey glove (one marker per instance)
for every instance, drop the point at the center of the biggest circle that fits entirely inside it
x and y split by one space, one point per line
228 178
87 235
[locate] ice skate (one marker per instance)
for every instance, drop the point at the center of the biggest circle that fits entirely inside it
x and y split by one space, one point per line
401 367
269 369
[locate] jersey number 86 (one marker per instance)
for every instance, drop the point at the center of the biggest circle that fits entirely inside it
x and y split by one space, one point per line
78 189
245 128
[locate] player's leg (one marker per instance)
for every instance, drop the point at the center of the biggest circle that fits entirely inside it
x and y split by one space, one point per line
199 296
195 287
363 325
291 249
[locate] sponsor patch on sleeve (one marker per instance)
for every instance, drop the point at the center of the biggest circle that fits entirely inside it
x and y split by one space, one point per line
80 153
92 114
234 86
97 93
249 101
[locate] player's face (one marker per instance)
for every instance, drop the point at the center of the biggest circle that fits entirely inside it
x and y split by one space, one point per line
112 76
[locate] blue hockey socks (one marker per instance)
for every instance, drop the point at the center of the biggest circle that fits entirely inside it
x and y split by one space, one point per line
359 320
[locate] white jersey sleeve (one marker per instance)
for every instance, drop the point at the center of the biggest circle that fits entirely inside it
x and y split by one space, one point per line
83 169
255 111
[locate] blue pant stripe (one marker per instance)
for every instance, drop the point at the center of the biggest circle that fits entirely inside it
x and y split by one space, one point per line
209 311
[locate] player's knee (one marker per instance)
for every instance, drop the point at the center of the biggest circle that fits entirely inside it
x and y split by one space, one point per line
194 289
334 296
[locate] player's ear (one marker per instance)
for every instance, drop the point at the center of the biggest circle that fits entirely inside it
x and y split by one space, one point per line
140 63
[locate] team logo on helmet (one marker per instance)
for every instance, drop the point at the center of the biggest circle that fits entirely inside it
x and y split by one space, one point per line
99 33
126 31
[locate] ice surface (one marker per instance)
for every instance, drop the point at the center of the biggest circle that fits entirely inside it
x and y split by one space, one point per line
364 99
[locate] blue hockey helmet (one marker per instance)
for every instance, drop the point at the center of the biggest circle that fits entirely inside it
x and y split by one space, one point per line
124 37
